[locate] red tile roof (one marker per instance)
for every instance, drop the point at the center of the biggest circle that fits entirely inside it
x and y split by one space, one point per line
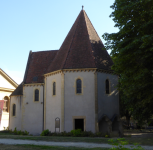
82 48
38 64
18 90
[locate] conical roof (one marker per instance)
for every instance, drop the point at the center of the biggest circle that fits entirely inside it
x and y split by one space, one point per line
82 48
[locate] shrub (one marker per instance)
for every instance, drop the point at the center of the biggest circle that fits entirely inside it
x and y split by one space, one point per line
98 134
15 131
76 132
120 142
25 133
45 133
64 133
106 136
19 132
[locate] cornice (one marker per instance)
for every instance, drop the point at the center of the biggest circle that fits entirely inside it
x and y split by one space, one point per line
79 70
9 79
70 70
33 84
6 89
52 73
15 95
106 71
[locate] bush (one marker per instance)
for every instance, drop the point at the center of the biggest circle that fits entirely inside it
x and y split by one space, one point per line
98 134
15 131
19 132
120 142
106 136
76 132
45 133
25 133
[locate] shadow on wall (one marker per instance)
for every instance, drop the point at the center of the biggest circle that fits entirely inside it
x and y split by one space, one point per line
105 125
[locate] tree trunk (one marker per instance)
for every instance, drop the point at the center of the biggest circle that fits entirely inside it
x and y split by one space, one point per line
128 119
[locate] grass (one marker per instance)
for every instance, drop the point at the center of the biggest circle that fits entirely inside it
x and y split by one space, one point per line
131 140
41 147
138 131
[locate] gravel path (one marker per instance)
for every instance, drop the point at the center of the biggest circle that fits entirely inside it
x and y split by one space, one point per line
66 144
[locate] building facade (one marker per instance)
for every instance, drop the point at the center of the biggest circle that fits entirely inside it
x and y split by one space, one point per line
7 86
70 88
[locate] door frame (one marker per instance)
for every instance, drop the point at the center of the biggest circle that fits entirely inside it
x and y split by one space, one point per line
79 117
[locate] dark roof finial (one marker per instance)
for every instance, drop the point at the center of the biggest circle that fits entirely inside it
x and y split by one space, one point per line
82 7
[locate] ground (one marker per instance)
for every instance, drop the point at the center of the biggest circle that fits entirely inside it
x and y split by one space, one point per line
69 143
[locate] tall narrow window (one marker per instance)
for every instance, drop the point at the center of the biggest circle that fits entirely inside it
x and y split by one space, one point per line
14 110
107 86
54 88
36 95
78 86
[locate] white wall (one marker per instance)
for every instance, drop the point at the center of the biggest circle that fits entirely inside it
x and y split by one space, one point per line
53 103
3 94
5 84
5 115
15 121
79 105
32 112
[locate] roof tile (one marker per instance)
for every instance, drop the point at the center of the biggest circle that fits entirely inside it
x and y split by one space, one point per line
38 64
82 48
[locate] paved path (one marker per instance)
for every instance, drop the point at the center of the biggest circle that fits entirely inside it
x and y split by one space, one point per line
144 135
66 144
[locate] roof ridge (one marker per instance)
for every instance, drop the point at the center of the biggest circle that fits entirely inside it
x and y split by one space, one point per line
85 15
44 51
92 25
95 31
70 45
27 66
3 72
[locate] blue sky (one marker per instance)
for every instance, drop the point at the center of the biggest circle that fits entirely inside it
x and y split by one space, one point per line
43 25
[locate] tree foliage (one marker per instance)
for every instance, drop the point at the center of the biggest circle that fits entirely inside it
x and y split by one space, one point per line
132 52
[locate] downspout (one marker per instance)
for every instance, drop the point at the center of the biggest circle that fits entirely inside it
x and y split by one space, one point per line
9 112
43 110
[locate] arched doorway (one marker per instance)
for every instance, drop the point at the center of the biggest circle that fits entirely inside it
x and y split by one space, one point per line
117 125
105 125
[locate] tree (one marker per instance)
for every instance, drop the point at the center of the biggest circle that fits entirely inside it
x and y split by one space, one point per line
125 108
132 50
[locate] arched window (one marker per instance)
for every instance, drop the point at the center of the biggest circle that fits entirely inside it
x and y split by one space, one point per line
6 101
107 86
78 86
14 110
54 88
36 95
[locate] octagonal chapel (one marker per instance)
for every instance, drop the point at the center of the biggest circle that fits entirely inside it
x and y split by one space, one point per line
70 88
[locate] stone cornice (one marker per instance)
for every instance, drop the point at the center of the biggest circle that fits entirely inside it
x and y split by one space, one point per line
105 71
8 78
33 84
79 70
52 73
6 89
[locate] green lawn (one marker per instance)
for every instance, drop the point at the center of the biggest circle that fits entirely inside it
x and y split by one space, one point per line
131 140
40 147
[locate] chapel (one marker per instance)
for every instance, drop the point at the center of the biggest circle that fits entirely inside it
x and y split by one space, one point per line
70 88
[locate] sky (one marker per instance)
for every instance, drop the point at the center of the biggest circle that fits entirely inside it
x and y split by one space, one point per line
39 25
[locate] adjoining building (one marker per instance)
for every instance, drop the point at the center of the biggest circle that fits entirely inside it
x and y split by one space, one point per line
7 86
70 88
